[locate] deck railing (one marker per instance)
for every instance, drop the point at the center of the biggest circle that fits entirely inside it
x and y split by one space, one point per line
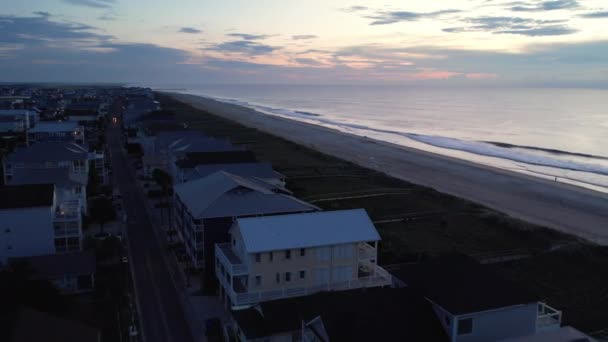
380 278
547 317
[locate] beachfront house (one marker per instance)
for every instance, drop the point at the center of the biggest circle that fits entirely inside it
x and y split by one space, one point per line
185 163
17 120
258 170
70 273
372 314
473 304
205 208
69 131
293 255
33 223
162 151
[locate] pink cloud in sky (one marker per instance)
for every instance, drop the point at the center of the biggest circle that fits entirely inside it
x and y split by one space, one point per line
434 75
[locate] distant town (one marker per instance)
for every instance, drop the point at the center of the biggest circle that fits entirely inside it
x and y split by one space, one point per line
120 220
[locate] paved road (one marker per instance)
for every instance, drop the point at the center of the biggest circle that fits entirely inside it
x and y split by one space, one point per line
162 316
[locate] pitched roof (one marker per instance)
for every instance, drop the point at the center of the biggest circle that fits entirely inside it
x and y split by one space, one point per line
54 265
60 176
192 159
34 325
306 230
226 195
49 151
258 170
26 196
461 285
374 314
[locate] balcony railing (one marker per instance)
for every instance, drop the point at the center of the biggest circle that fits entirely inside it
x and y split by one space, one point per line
68 211
231 262
547 317
380 278
366 251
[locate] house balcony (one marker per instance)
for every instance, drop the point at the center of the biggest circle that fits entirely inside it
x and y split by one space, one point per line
366 251
233 276
68 211
230 262
547 318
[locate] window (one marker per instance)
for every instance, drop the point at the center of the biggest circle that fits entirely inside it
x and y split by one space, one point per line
343 251
7 230
323 253
233 242
258 257
302 274
287 254
78 190
302 251
278 278
465 326
270 255
287 276
258 280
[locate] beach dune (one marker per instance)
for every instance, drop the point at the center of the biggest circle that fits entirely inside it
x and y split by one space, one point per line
559 206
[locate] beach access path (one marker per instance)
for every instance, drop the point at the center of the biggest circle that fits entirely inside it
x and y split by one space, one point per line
563 207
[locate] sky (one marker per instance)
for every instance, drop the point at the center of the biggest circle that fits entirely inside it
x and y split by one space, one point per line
439 42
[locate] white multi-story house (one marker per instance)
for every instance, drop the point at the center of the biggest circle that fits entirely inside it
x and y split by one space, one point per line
32 222
65 164
205 208
293 255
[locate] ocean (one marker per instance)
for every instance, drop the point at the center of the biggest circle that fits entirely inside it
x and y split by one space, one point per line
554 133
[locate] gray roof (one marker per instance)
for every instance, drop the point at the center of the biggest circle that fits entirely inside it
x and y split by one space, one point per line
202 145
304 230
60 176
226 195
257 170
54 126
50 151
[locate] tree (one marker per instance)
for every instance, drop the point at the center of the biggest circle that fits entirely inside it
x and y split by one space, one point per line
164 180
93 183
102 211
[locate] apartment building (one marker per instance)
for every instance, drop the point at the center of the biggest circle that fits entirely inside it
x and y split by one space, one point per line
17 120
33 223
204 209
292 255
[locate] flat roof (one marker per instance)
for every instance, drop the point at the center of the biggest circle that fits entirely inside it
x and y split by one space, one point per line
26 196
303 230
54 126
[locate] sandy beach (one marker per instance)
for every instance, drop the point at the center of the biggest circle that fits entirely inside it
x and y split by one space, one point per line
559 206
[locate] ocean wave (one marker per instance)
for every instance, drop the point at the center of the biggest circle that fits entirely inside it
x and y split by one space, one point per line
483 148
548 150
492 150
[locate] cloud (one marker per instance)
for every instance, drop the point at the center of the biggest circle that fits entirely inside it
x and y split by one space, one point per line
42 14
189 30
107 17
513 25
246 47
92 3
308 61
541 31
354 9
595 15
391 17
546 6
40 31
247 36
304 36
